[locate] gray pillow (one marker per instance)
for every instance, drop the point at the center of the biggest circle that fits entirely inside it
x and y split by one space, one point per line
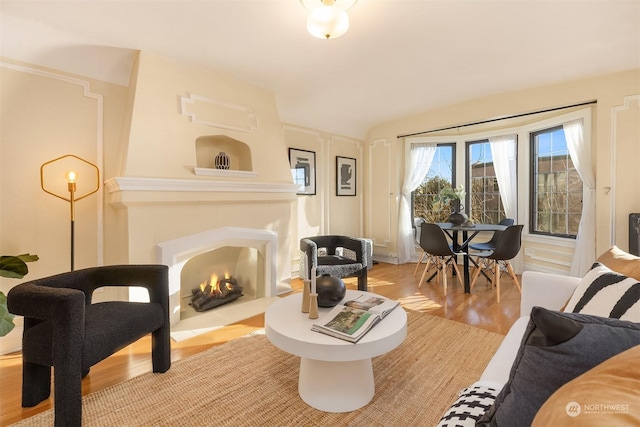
556 348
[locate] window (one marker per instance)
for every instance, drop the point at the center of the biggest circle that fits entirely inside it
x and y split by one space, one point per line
483 192
441 174
556 187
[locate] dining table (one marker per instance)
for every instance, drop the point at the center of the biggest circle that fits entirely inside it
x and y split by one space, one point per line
468 231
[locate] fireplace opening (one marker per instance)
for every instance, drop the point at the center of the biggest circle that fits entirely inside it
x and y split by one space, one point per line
215 292
233 266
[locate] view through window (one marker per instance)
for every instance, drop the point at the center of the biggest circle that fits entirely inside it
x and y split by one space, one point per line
556 205
484 194
441 174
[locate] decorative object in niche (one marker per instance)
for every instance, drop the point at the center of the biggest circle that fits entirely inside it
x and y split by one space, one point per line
222 161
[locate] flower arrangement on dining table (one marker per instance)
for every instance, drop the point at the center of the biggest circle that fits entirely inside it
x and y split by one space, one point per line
447 194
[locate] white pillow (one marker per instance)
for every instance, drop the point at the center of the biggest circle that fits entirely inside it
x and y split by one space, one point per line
603 292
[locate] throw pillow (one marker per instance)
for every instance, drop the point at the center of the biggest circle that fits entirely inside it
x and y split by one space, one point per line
471 404
605 293
622 262
604 396
556 348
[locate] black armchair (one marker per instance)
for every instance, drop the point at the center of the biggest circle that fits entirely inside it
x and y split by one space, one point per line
64 330
321 253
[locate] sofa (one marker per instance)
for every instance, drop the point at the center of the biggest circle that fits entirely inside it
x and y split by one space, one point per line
529 368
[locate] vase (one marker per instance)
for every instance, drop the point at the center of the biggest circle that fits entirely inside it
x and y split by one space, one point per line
331 290
457 217
222 161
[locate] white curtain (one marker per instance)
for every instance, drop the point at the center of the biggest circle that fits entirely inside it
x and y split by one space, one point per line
580 152
417 164
505 163
503 152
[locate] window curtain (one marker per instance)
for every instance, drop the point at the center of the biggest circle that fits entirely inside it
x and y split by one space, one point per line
503 152
417 164
580 152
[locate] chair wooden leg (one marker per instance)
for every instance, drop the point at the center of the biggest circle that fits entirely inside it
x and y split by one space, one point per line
513 275
497 280
458 275
476 274
419 261
424 273
444 276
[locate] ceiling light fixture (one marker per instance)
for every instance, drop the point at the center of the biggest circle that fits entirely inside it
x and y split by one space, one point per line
328 19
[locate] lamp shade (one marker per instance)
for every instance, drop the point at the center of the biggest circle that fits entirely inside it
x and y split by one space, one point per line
327 22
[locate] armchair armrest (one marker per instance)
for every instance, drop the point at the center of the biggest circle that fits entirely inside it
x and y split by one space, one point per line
35 299
42 302
546 290
359 246
153 277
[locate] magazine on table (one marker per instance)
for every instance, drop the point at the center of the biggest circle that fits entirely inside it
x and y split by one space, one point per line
352 319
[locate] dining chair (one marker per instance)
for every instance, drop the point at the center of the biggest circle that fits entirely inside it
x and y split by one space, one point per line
435 244
491 243
507 247
417 226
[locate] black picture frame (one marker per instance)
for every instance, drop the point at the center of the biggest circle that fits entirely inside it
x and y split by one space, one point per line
345 176
303 170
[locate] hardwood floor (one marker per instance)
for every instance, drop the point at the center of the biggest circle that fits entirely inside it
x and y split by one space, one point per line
393 281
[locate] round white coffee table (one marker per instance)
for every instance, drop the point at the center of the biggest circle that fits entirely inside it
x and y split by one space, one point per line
335 375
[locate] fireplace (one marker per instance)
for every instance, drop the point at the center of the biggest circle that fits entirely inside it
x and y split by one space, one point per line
249 254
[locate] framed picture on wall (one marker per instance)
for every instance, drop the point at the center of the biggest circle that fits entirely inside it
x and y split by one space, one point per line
345 176
303 170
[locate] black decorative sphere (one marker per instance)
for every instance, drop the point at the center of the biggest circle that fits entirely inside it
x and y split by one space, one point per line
331 290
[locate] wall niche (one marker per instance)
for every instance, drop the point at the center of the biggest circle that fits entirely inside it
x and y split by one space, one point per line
238 153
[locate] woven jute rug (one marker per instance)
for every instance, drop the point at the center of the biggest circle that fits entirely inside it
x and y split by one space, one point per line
249 382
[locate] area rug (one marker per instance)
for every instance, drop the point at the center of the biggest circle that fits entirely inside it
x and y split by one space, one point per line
249 382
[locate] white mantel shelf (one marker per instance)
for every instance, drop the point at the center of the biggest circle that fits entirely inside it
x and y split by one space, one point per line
172 184
224 173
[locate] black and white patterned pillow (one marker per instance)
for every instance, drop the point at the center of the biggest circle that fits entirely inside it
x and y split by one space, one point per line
605 293
471 404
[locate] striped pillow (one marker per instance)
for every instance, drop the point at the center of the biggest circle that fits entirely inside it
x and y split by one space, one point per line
605 293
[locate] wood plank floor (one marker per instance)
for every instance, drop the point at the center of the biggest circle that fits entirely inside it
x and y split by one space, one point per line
393 281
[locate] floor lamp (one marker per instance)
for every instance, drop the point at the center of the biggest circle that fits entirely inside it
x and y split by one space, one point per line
71 168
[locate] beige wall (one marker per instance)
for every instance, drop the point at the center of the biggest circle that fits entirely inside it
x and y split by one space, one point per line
325 212
46 114
613 145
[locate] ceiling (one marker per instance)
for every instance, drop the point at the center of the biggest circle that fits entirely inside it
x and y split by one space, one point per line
398 58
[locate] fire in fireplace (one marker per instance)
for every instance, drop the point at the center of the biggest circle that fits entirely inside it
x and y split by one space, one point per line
215 292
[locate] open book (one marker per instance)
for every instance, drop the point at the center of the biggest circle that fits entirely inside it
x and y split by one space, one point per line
351 320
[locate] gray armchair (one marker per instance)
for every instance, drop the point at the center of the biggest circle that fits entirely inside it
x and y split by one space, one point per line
64 330
339 256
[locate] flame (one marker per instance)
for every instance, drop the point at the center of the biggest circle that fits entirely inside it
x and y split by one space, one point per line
213 282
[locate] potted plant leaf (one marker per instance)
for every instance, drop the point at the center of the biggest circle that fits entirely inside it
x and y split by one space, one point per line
14 267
